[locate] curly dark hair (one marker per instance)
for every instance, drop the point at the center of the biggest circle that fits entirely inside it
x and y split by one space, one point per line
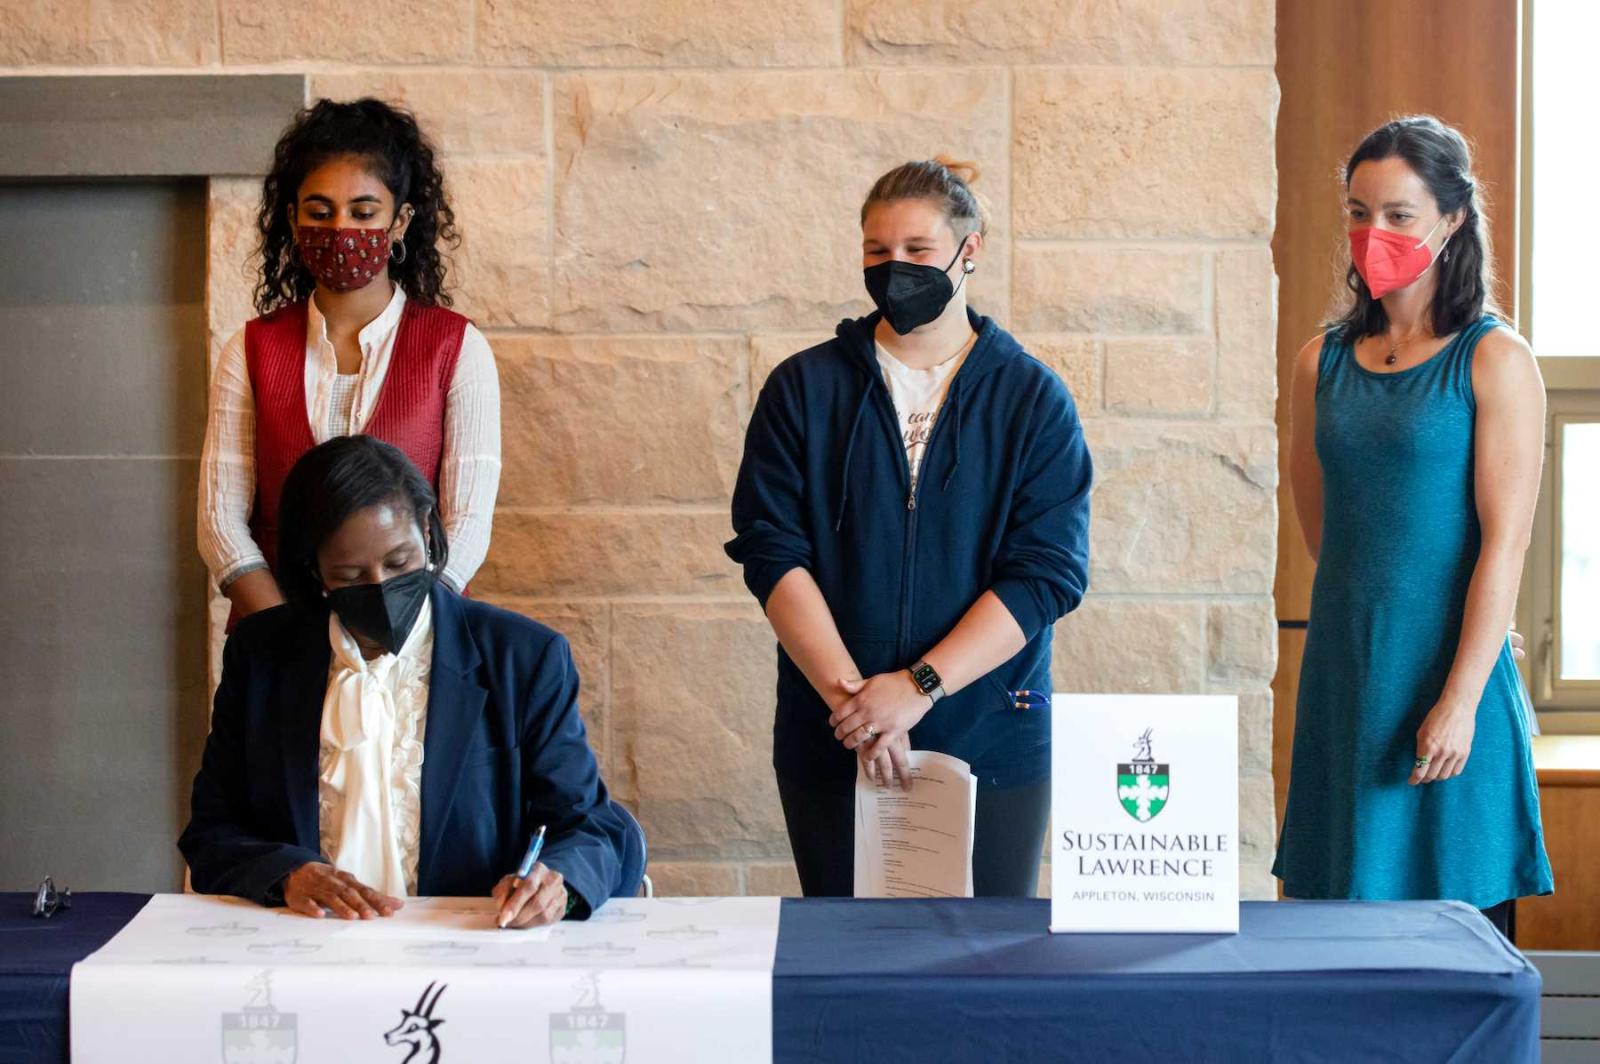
1441 157
398 153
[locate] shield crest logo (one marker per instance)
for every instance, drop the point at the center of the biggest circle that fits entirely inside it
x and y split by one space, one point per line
259 1033
1144 783
587 1033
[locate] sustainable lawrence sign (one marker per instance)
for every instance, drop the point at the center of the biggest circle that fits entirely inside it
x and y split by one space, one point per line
1145 813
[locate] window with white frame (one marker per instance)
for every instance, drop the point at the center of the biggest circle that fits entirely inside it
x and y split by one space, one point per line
1559 607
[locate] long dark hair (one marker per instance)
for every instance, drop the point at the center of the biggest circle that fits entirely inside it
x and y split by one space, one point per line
1440 156
329 483
398 153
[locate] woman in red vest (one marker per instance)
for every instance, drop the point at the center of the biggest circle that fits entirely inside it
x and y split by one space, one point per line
354 337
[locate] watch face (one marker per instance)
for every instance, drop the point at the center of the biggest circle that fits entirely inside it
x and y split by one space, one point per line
926 678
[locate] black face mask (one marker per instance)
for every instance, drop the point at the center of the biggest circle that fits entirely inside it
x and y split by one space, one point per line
386 612
909 293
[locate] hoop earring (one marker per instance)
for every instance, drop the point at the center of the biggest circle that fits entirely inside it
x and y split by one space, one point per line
400 246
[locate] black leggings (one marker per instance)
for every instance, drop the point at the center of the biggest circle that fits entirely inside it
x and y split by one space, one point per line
1007 838
1504 919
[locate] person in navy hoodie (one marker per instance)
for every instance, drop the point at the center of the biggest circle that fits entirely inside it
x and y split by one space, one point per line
912 512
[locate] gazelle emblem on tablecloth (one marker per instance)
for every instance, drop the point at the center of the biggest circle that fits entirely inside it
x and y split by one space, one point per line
417 1028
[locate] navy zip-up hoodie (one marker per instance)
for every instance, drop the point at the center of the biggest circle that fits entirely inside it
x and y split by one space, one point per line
1001 504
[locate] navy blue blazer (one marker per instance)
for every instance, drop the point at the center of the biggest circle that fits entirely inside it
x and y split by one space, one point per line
504 751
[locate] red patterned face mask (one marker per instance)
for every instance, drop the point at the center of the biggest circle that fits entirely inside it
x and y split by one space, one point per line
343 259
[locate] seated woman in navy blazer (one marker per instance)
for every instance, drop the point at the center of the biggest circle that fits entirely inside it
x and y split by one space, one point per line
380 736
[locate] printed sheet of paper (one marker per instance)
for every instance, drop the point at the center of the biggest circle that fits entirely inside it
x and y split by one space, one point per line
658 980
461 920
917 843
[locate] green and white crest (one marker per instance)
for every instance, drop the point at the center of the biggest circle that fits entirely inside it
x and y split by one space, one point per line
588 1033
1143 784
259 1033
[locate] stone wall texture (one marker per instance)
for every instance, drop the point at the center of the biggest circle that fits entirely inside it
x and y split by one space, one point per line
658 200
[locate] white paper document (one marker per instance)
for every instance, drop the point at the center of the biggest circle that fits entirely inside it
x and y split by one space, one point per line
441 920
657 980
917 843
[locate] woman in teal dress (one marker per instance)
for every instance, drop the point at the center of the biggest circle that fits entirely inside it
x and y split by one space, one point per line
1418 422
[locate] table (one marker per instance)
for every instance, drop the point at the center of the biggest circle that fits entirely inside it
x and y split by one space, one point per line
939 980
1302 981
36 956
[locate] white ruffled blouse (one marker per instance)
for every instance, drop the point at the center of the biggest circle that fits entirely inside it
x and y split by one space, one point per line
374 721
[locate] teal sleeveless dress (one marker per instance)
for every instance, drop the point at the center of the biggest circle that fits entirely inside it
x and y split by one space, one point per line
1400 537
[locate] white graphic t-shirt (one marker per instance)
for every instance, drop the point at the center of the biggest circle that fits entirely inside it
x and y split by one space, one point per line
918 394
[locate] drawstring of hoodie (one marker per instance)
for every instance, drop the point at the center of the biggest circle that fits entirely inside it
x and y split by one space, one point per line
955 401
849 453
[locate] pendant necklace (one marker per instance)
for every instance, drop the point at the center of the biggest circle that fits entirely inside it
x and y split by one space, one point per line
1394 351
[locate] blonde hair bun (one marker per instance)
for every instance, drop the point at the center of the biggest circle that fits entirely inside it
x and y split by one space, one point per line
943 180
965 169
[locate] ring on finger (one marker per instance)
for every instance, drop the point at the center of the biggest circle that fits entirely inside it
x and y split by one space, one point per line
871 731
1422 762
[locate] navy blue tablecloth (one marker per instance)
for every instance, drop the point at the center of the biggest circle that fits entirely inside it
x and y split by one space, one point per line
885 981
943 980
36 957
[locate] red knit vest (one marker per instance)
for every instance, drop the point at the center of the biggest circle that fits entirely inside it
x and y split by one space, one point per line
409 412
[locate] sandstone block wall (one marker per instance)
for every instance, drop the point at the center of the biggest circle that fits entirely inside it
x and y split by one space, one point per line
659 200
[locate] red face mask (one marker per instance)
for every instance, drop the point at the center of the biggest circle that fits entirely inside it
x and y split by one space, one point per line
1389 261
343 259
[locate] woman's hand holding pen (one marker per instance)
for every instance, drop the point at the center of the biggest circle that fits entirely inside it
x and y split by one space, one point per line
875 721
316 890
538 899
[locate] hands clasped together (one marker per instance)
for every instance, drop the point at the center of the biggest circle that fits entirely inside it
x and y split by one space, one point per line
875 720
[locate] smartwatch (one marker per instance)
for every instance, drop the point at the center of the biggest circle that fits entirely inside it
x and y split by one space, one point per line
928 680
